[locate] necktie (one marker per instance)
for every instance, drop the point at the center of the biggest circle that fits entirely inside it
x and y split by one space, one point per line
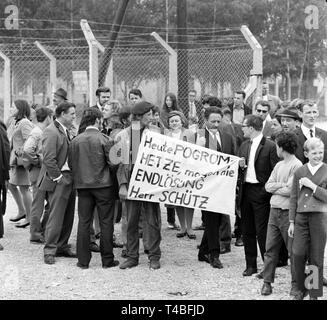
248 152
68 136
311 133
217 142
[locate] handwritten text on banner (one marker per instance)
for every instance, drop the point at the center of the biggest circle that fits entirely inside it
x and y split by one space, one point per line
179 173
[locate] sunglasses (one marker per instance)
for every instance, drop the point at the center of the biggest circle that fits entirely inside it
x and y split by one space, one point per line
262 111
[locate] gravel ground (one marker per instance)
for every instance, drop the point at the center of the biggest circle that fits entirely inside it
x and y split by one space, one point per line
24 275
182 276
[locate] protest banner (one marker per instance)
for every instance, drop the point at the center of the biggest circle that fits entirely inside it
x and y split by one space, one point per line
175 172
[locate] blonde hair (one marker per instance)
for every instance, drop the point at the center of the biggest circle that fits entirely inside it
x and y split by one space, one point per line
312 143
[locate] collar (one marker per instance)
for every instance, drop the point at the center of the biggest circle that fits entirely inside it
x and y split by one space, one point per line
314 169
92 127
99 106
64 127
241 108
306 130
257 139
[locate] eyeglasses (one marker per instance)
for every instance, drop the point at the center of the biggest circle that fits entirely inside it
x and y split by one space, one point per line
263 111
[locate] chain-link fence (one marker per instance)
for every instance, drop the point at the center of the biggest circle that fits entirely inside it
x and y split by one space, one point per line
216 71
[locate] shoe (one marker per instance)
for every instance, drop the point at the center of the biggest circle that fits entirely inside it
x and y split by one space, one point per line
1 247
129 263
298 296
204 257
249 272
282 264
266 289
146 251
200 227
124 253
49 259
294 290
191 236
117 245
324 282
173 226
68 253
180 234
22 224
260 275
16 219
94 247
154 264
114 263
239 242
216 263
225 250
37 241
82 266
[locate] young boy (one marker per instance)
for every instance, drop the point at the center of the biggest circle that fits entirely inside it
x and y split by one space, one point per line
279 184
308 219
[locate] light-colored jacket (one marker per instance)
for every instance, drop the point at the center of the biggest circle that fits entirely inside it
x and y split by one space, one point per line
21 131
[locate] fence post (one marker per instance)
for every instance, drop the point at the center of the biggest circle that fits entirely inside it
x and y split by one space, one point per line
256 72
53 67
7 86
94 46
172 81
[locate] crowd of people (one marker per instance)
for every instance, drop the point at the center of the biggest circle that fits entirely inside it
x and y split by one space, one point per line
281 197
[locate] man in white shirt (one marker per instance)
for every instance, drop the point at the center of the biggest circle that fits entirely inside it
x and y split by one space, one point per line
262 110
260 157
239 108
309 113
55 178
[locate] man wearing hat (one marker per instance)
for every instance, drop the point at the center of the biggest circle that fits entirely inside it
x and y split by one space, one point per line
59 96
127 143
289 120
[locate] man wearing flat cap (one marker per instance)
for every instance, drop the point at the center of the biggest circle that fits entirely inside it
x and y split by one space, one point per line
289 120
127 144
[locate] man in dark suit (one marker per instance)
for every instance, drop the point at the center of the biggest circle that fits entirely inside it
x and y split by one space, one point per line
239 109
309 113
236 131
55 178
260 157
212 137
95 188
4 173
262 110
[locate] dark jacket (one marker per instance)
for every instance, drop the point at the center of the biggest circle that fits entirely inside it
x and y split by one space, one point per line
4 171
265 158
322 134
55 151
4 154
264 162
227 142
89 160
